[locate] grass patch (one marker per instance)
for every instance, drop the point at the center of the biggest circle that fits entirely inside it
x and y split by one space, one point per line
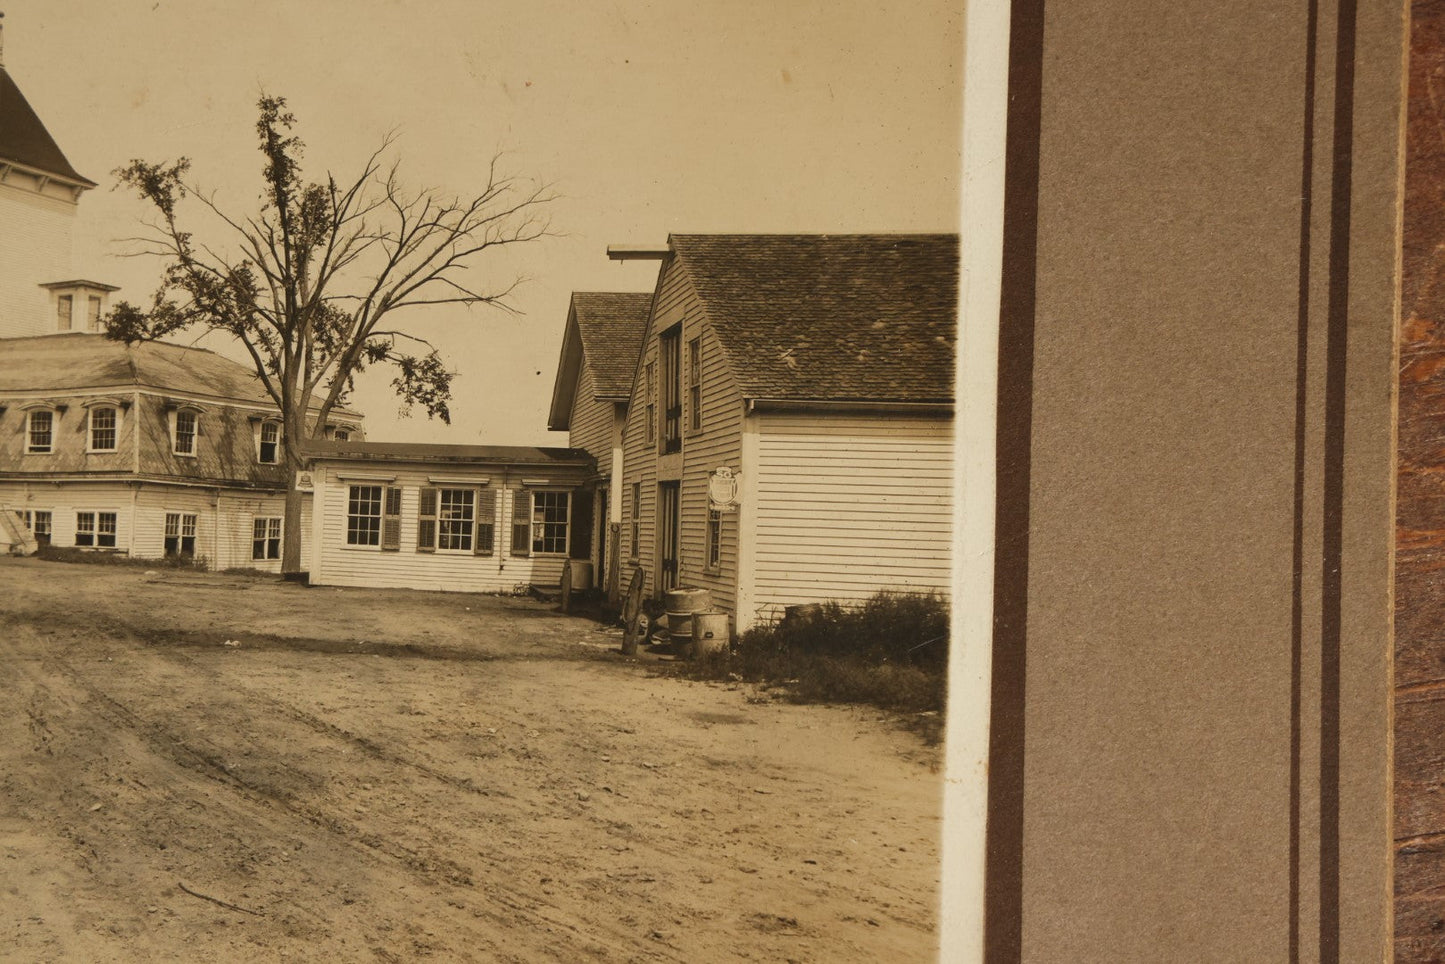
890 652
110 557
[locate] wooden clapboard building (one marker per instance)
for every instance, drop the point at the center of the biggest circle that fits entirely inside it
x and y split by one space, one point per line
589 401
807 382
472 518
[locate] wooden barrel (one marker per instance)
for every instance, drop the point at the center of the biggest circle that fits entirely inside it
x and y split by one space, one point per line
679 625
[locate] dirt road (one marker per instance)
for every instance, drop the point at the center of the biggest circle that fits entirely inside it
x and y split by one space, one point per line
207 767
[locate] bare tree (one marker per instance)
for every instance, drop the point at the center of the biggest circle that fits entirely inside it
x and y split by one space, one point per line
313 282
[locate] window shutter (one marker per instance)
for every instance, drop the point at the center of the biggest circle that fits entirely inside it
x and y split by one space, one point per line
426 520
391 520
486 522
521 523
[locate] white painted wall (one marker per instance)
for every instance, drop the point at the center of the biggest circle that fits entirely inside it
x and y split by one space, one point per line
35 248
343 565
849 505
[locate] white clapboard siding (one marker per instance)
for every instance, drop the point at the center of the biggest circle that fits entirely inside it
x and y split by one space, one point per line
35 243
450 571
849 505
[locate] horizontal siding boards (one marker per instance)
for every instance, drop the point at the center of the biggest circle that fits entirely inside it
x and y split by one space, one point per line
591 422
234 533
849 505
718 443
452 571
64 501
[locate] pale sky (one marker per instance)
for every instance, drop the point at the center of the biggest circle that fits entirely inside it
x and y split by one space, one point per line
686 116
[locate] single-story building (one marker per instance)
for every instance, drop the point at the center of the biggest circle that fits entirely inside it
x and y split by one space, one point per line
463 518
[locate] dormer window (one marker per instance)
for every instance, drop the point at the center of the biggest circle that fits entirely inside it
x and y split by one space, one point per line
92 314
185 425
270 444
104 427
40 432
64 312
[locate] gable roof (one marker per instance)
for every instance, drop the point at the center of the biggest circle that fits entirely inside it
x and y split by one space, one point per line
850 318
604 332
24 139
55 363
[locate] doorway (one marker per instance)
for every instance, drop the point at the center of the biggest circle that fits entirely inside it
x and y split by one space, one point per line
667 535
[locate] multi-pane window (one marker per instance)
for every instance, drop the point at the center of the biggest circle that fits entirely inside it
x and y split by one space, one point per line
363 516
102 429
92 314
40 432
694 385
266 538
270 443
180 536
341 435
636 516
650 412
712 558
669 346
455 515
550 511
95 529
39 525
185 439
64 306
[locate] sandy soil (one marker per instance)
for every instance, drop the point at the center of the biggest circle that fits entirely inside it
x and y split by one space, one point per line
209 767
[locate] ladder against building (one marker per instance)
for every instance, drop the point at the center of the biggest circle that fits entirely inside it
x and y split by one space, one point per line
16 538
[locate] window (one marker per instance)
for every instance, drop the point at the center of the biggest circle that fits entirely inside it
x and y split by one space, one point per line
694 385
549 521
102 429
363 516
636 516
41 431
455 519
92 314
670 348
186 425
180 534
39 525
270 443
63 306
341 435
95 529
712 557
650 412
266 538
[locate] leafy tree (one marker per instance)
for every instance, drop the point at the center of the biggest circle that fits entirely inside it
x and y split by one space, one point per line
313 283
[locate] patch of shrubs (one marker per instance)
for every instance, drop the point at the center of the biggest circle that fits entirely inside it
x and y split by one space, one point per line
103 558
891 651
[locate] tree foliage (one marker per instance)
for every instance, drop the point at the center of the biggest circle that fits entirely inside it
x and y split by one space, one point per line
317 284
311 284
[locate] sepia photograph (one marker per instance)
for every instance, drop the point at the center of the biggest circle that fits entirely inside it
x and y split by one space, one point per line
476 479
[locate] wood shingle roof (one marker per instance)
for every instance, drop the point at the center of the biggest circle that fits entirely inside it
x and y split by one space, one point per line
612 325
856 318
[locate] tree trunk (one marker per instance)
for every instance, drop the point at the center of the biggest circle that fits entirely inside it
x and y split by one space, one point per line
291 534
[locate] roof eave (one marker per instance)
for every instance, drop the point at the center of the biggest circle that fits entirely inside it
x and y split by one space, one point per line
937 407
